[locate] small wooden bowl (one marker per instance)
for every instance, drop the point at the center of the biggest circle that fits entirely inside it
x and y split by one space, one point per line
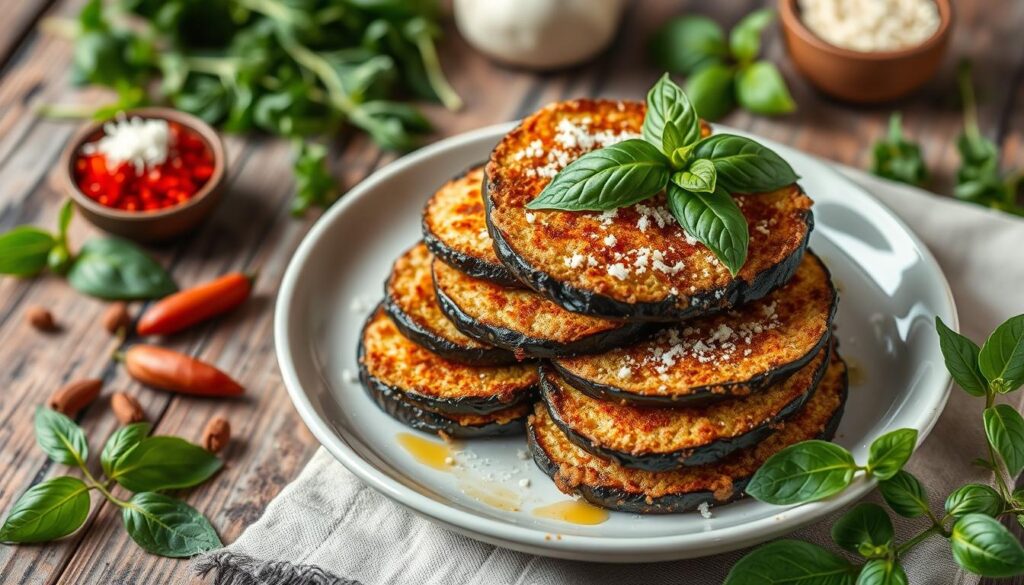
148 226
863 77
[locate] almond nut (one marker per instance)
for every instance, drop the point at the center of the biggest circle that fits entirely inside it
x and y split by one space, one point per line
41 318
216 434
126 408
75 396
116 318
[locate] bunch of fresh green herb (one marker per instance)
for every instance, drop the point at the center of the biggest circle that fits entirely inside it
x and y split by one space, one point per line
107 268
698 175
296 68
138 463
979 179
813 470
897 158
721 72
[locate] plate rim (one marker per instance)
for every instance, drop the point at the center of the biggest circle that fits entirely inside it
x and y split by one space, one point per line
534 540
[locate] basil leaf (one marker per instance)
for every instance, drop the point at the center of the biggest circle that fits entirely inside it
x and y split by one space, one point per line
974 498
684 45
1004 428
882 572
745 37
699 178
1001 359
961 357
715 220
163 463
890 452
865 524
609 178
804 472
667 104
122 441
60 438
64 220
761 89
791 561
314 185
904 494
711 91
897 158
743 165
983 546
47 511
168 527
115 269
23 251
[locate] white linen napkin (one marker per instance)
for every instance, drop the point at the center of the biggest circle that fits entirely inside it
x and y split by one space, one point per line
329 528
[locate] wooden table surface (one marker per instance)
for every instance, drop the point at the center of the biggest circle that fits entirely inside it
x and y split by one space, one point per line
252 230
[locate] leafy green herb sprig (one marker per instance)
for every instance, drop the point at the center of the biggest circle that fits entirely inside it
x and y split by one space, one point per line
107 268
897 158
722 72
814 470
139 463
697 174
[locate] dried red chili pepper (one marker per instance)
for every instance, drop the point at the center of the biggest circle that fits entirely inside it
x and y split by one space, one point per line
176 372
188 307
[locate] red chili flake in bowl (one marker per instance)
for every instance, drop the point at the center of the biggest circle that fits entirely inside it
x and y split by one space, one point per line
143 165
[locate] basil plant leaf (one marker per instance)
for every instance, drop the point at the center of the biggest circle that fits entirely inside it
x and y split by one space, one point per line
687 44
864 524
699 178
715 220
609 178
882 572
896 158
23 250
961 357
667 104
890 452
115 269
163 463
1001 359
47 511
60 438
974 498
805 472
64 219
1004 428
791 561
168 527
745 37
122 441
985 547
904 494
711 91
743 165
761 89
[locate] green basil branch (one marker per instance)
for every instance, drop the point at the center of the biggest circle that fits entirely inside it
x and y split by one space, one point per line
137 462
698 175
814 470
897 158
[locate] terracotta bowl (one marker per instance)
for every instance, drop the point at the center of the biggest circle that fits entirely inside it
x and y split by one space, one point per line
859 76
148 226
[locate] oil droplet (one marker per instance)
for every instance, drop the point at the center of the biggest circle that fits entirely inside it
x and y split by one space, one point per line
572 511
854 372
493 495
429 453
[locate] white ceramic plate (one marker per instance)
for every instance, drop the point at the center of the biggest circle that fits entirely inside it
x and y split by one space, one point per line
891 290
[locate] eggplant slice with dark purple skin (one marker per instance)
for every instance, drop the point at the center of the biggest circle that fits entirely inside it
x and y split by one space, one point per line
524 322
662 439
734 353
609 485
391 365
455 229
635 262
410 301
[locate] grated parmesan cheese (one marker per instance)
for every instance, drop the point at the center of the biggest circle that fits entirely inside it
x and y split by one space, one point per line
618 270
871 25
143 143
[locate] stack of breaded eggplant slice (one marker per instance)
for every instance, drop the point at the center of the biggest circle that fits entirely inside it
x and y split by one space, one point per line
650 379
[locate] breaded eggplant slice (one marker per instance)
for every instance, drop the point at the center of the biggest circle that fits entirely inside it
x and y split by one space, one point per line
635 262
455 229
729 354
610 485
524 322
661 439
388 359
410 301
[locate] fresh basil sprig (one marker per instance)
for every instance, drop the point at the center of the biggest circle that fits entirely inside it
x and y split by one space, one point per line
159 524
969 521
897 158
697 174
